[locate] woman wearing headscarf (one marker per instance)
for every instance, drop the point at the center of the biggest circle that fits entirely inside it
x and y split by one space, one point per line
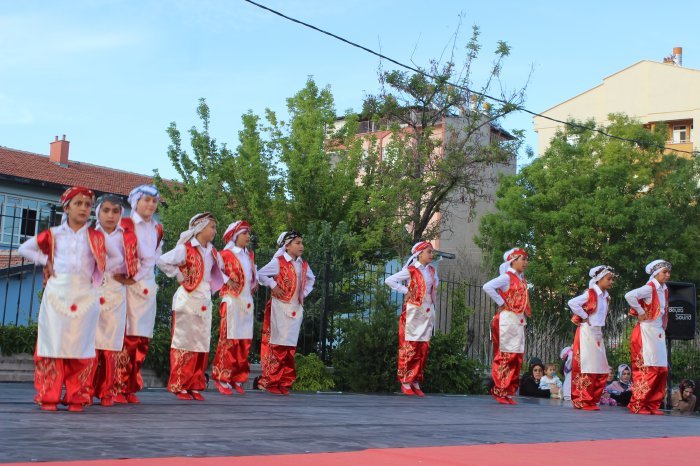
417 316
589 369
291 280
621 389
530 383
230 368
195 263
648 340
509 291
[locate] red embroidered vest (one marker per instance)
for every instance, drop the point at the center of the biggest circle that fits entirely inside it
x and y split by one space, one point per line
516 298
192 269
130 242
417 285
653 309
233 269
96 240
287 279
590 307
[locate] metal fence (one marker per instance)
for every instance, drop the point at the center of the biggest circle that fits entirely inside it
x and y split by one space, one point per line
350 291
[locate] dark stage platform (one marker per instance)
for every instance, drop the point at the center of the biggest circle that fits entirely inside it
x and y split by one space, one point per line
263 424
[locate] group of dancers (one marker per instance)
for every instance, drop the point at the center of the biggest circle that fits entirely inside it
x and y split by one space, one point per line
98 311
98 307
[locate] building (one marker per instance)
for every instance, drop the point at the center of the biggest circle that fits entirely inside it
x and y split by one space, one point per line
30 188
650 91
460 225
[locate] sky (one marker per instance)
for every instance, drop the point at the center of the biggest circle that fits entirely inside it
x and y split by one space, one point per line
113 74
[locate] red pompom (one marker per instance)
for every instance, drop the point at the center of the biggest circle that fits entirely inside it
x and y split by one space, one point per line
294 314
145 291
73 307
102 300
248 305
204 308
522 320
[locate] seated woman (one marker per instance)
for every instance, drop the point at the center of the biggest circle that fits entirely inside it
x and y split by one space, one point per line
530 383
621 389
683 400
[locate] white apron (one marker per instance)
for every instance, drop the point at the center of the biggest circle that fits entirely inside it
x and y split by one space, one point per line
511 332
420 321
141 307
653 342
239 315
592 348
285 322
112 321
192 314
68 318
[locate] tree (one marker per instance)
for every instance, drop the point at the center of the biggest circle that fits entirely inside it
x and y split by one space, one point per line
440 151
593 200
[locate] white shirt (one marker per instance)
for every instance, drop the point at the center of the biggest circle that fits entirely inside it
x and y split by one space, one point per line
502 282
395 281
597 319
171 261
266 275
116 263
644 293
148 248
244 258
72 254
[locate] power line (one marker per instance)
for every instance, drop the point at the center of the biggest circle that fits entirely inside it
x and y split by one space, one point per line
435 78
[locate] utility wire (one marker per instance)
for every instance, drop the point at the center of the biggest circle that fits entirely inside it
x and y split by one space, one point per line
464 88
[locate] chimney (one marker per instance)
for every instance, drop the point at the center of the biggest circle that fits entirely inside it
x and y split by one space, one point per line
678 56
59 151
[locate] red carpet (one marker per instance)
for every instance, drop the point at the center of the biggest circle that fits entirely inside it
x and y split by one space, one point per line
677 450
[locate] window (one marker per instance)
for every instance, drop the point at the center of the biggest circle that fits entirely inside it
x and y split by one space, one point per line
680 134
23 217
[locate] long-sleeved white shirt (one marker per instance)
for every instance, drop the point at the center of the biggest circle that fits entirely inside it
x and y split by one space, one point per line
148 248
395 282
72 254
114 242
644 293
171 261
244 258
502 282
597 319
266 275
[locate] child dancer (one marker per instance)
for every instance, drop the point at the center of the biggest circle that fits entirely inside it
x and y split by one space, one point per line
142 246
648 340
417 317
195 263
291 280
509 290
73 256
231 363
589 368
109 340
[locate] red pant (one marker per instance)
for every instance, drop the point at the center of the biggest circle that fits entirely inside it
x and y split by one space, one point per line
187 370
129 363
277 361
586 389
105 374
648 382
506 366
412 355
50 374
231 360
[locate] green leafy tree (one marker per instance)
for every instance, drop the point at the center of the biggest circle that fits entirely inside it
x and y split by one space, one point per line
593 200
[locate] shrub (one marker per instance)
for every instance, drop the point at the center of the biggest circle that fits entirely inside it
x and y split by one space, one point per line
311 374
17 339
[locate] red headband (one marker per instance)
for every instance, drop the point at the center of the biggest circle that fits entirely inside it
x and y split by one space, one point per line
243 225
421 246
518 252
70 193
